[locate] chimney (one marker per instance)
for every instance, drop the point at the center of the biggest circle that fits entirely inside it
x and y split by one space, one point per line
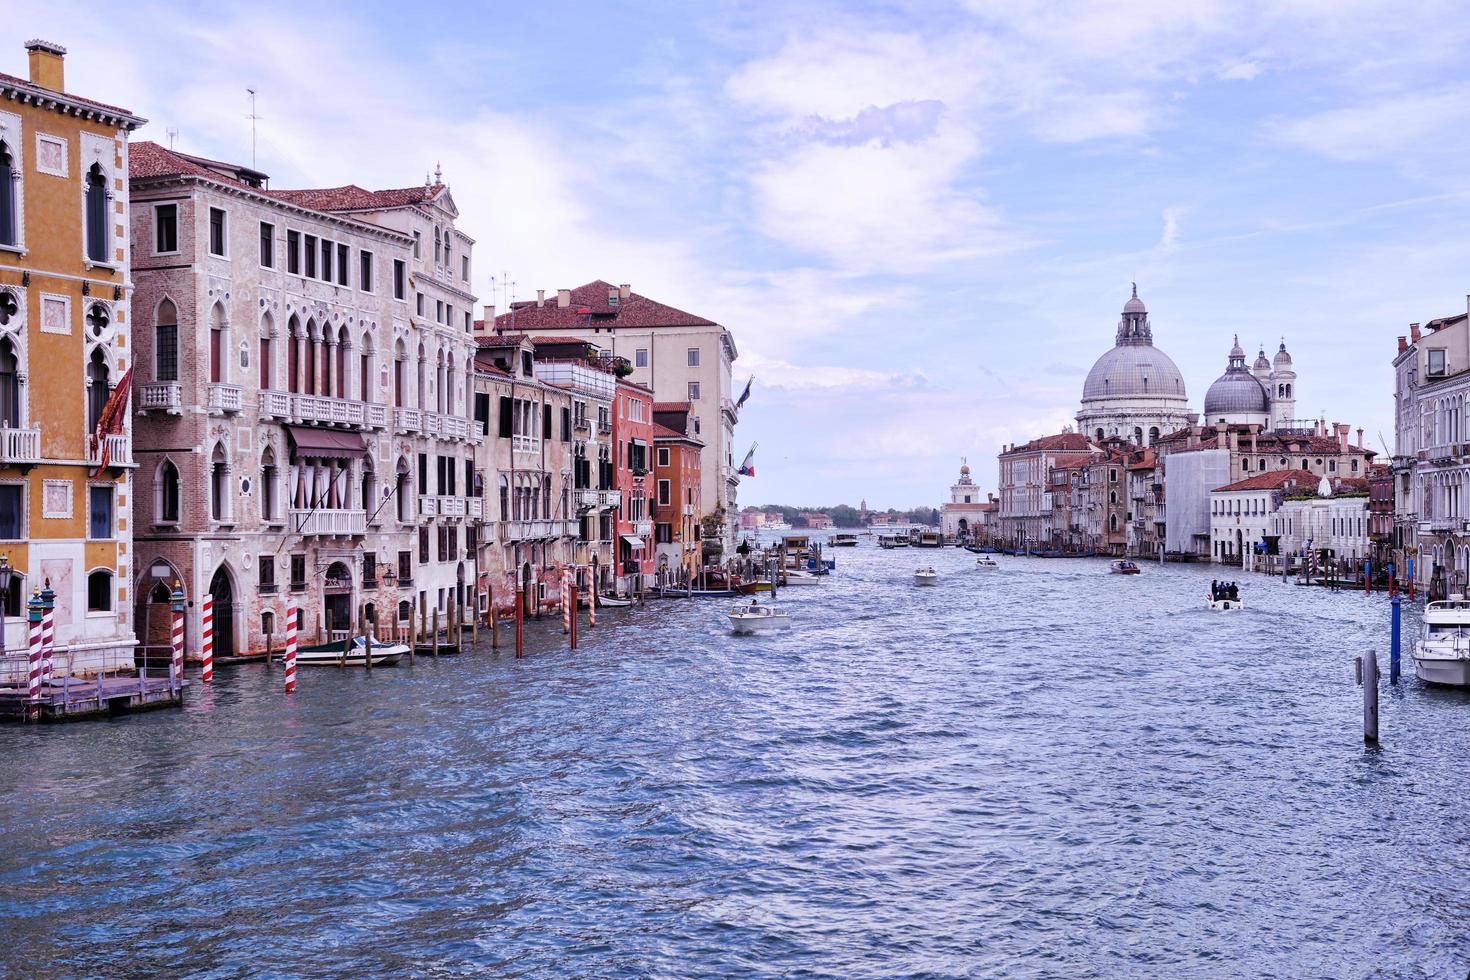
563 298
1342 435
624 291
540 297
1403 344
613 295
46 64
1413 333
490 316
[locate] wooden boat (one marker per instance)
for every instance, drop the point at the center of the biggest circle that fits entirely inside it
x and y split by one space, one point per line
611 601
751 588
330 654
1122 566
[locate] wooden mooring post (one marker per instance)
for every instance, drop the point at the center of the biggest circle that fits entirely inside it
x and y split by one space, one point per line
520 624
436 631
1368 678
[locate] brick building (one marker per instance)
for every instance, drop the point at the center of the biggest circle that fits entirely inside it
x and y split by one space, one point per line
633 462
677 486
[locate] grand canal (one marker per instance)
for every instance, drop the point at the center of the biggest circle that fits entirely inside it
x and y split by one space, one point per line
1045 770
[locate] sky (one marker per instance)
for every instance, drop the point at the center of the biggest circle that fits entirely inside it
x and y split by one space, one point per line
920 221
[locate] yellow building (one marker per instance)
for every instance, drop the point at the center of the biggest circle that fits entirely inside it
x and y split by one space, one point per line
64 297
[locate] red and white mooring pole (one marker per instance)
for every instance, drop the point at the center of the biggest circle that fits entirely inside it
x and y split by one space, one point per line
176 656
291 615
33 680
206 633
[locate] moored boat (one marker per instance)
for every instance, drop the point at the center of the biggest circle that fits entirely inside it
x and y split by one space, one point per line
331 654
751 588
613 601
754 618
802 578
1442 655
926 576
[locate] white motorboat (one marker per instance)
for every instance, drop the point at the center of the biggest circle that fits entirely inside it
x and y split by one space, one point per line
1226 605
796 577
755 618
331 654
1122 566
1442 655
986 562
926 576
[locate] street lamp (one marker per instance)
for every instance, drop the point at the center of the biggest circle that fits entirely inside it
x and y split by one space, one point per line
7 576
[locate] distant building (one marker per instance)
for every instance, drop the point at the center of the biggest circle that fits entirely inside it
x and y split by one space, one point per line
1241 513
632 464
815 520
960 519
1025 516
1329 528
677 487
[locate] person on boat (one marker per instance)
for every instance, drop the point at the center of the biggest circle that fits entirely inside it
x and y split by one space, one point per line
1234 591
1215 590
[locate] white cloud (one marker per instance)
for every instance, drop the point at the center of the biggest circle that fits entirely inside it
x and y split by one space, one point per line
1404 125
1241 71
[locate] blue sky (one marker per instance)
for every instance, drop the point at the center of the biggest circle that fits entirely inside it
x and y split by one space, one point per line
919 220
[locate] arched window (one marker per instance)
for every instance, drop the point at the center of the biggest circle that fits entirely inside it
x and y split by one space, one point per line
546 495
399 357
309 368
166 342
365 369
1100 434
400 491
267 365
342 346
166 494
423 403
219 484
96 214
9 386
269 479
1138 435
293 354
218 345
99 591
369 487
97 390
504 499
438 247
9 233
1153 434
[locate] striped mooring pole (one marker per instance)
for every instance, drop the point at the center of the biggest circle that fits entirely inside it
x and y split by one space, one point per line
566 605
48 633
206 634
292 613
572 605
33 679
176 655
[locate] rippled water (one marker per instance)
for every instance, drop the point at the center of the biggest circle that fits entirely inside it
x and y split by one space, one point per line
1045 770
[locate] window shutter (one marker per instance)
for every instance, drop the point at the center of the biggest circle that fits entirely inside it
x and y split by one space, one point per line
546 422
566 424
505 417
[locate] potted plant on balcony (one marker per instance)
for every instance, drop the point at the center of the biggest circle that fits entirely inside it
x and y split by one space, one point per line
622 367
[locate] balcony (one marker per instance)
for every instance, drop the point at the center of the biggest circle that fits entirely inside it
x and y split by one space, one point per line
119 451
475 507
20 446
578 376
642 529
224 399
587 499
525 444
451 507
428 506
329 523
296 407
538 530
163 396
445 426
408 420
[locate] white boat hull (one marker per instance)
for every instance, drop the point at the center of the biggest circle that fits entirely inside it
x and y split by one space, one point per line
383 656
742 625
988 566
1226 605
793 578
926 579
1450 672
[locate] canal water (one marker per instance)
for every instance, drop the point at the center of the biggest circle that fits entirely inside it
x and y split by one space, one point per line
1042 770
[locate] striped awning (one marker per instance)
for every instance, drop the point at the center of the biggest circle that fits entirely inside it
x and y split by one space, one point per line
326 443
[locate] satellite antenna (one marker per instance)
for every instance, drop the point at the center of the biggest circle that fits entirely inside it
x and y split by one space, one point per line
173 135
253 118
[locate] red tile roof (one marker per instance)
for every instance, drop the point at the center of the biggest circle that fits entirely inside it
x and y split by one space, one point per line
589 303
501 340
350 197
671 406
24 85
1062 441
147 159
1274 480
664 432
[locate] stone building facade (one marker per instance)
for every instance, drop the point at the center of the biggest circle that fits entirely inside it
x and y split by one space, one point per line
682 357
303 433
678 482
65 332
633 465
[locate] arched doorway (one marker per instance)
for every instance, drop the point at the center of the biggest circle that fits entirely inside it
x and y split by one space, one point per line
224 613
459 588
337 597
527 597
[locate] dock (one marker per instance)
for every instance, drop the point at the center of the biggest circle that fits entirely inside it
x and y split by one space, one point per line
68 698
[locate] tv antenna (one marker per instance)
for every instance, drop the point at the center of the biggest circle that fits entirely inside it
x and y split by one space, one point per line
173 135
251 115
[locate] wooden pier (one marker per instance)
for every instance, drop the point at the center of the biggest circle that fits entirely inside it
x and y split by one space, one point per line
69 698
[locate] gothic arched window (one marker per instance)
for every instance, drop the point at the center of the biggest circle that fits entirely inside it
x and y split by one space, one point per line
168 493
96 223
9 386
97 389
9 233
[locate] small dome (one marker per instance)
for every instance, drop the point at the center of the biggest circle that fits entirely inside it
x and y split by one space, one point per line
1134 305
1236 350
965 469
1261 363
1235 393
1282 358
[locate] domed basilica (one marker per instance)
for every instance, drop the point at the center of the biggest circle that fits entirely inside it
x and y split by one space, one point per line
1135 392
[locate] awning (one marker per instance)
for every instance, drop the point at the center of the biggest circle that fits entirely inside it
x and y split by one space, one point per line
635 543
326 443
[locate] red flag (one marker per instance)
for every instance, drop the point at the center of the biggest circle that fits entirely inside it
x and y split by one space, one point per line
110 422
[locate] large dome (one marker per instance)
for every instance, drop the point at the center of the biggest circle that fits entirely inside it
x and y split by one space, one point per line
1134 371
1237 391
